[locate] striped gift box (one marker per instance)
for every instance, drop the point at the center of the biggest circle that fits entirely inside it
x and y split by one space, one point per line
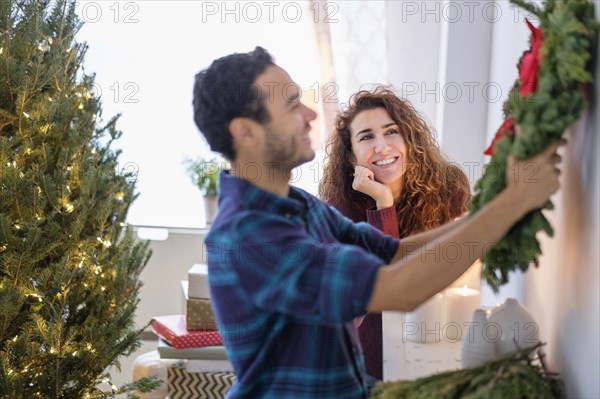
186 385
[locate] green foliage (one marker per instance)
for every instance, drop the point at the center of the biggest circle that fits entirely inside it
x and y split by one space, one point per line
517 377
69 266
570 30
205 174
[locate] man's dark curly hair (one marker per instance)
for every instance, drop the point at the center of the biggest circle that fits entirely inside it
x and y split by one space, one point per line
227 90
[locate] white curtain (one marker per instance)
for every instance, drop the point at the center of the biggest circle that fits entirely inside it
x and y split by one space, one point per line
351 37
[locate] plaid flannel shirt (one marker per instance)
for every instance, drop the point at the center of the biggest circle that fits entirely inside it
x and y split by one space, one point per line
287 278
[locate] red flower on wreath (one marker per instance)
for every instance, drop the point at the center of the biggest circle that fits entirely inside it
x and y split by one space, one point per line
508 127
528 75
531 61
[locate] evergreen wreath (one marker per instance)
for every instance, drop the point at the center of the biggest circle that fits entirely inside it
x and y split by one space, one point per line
545 100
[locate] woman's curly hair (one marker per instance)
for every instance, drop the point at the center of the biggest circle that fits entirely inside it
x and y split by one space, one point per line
434 191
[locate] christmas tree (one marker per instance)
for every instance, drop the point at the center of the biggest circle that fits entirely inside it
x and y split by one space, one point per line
69 265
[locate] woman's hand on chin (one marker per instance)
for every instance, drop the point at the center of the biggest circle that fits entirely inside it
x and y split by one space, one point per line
364 182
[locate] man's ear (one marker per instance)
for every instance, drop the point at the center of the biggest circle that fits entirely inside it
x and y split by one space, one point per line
242 131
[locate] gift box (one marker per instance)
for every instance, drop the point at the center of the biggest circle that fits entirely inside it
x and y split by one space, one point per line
166 351
185 385
199 315
173 330
198 281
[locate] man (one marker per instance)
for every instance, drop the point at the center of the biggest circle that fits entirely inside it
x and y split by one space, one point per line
288 274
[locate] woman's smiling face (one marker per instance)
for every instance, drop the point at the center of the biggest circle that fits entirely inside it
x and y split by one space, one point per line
379 145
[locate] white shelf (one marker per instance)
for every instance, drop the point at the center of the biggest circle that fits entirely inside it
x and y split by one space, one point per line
407 360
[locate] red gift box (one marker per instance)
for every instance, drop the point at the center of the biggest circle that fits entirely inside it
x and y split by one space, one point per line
173 330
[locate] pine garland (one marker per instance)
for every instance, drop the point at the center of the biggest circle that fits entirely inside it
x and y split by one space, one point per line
517 376
569 31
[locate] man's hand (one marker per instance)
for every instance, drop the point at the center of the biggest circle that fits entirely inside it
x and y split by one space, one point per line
364 181
531 182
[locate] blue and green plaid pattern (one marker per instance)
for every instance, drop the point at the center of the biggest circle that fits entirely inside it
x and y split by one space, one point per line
287 278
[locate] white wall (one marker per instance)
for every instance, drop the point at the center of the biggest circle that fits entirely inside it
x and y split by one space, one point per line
439 56
464 83
563 293
161 293
414 52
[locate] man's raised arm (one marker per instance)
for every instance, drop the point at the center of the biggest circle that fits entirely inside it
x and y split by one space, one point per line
411 279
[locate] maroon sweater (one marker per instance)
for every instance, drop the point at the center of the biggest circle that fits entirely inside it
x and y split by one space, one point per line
370 331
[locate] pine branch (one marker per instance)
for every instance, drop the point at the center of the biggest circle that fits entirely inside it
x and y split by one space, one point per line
514 376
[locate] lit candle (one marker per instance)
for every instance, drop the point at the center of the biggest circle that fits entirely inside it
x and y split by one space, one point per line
460 305
470 278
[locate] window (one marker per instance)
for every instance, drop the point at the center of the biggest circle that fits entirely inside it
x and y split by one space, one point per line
145 55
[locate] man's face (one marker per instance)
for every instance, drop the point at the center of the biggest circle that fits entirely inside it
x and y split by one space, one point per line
287 142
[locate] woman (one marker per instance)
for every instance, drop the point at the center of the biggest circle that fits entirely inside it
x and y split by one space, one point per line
384 167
